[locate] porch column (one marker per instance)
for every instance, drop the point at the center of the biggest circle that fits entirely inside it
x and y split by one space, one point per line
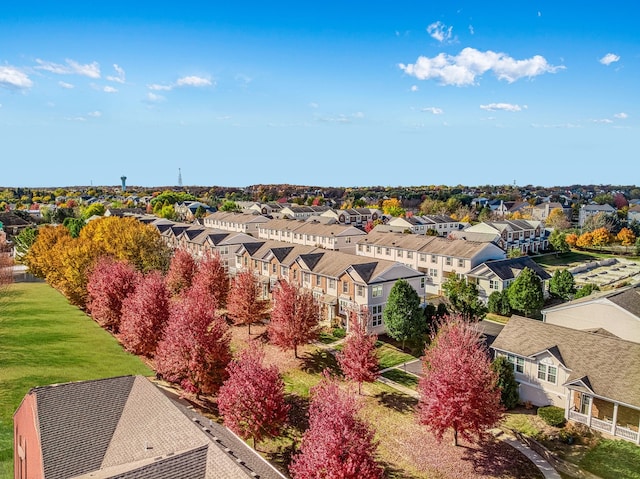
590 408
615 418
568 403
638 438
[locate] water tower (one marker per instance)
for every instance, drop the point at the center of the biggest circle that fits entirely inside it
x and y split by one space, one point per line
124 183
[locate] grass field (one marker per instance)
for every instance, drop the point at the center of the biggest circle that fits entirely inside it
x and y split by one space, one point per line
45 340
613 460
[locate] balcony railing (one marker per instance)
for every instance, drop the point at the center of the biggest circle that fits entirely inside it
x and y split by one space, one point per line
627 433
600 425
576 416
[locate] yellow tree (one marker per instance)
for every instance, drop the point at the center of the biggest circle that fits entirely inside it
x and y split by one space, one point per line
572 239
626 237
557 219
585 240
393 207
43 258
601 237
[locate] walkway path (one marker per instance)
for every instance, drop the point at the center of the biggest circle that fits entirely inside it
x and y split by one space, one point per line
545 468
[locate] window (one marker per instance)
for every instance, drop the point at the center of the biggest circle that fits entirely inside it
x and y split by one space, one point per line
387 251
547 373
317 280
422 257
284 270
376 315
360 248
422 282
449 261
409 254
399 253
368 249
494 284
378 250
360 290
434 258
376 291
516 362
461 263
332 283
433 272
345 287
274 267
306 277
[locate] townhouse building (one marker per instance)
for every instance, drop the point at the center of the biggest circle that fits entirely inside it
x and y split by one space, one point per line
312 233
353 216
529 236
434 256
587 211
237 222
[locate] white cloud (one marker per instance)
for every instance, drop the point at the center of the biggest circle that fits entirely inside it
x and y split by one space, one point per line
14 79
621 116
414 88
91 70
109 89
433 110
440 32
65 85
313 104
609 58
342 118
120 75
471 31
95 114
193 81
501 106
154 98
606 121
157 87
464 68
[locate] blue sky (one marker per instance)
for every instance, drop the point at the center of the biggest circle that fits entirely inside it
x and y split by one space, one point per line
332 93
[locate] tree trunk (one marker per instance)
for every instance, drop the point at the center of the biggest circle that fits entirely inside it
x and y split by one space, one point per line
455 436
249 325
295 351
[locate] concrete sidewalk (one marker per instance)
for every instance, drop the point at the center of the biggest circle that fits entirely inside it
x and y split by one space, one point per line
545 468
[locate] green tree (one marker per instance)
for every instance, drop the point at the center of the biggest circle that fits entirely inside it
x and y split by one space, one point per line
74 225
585 290
507 383
463 298
499 303
558 240
95 209
24 241
402 315
229 205
525 293
562 284
515 253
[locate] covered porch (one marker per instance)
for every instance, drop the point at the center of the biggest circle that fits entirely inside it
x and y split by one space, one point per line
604 415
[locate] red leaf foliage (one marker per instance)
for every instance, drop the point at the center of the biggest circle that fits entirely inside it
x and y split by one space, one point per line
358 358
194 350
109 283
181 271
243 303
294 317
251 401
144 315
212 279
337 444
458 389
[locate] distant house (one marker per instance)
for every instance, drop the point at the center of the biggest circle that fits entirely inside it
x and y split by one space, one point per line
634 213
124 427
497 275
586 211
528 236
593 377
616 312
237 222
542 211
12 223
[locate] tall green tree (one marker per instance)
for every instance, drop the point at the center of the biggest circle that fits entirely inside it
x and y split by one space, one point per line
499 303
509 396
558 240
463 298
525 293
24 241
562 284
402 315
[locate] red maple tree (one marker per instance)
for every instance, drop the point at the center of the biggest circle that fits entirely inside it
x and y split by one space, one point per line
294 317
109 283
251 400
358 358
458 390
244 305
194 350
145 313
338 444
212 279
181 271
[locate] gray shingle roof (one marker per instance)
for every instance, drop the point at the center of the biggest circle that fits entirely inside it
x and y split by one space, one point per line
609 365
628 299
507 269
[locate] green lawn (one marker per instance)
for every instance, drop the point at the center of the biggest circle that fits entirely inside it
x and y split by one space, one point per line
613 460
401 377
45 340
391 356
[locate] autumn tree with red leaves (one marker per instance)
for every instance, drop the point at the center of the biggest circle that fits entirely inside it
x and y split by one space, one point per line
212 279
194 351
358 358
294 317
458 390
244 305
145 313
338 444
109 284
181 271
251 401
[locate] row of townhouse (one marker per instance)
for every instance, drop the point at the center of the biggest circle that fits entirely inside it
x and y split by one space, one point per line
330 236
528 236
587 211
340 281
236 222
349 216
442 225
434 256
